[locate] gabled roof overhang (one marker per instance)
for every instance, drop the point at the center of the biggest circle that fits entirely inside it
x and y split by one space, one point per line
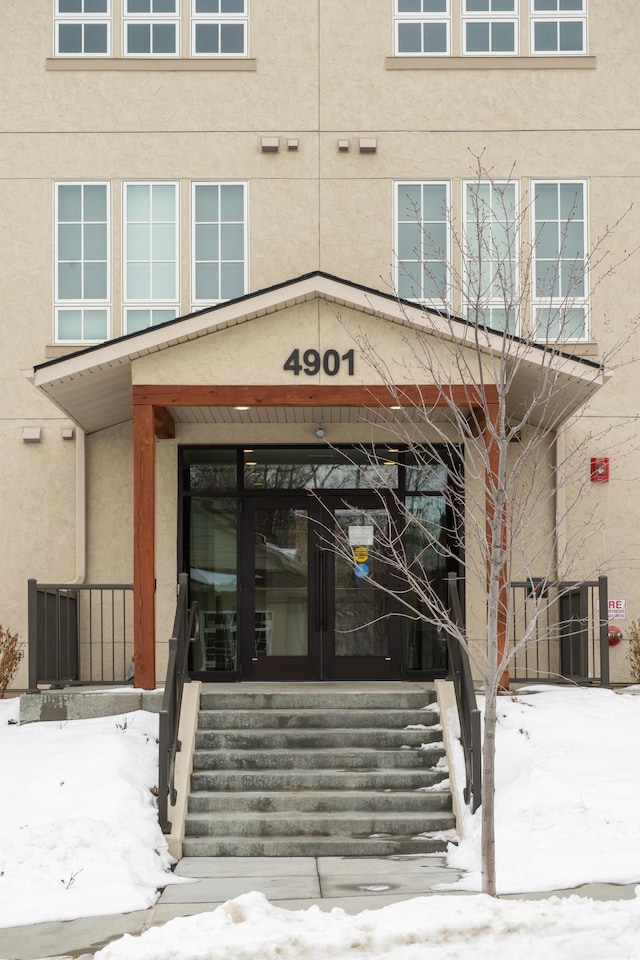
93 387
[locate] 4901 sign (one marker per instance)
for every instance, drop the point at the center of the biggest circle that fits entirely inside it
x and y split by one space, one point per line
311 362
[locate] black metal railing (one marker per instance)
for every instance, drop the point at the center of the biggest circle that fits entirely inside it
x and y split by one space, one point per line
80 633
468 712
566 629
185 630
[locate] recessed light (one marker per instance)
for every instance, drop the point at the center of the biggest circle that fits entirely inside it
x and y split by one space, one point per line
242 408
251 463
248 450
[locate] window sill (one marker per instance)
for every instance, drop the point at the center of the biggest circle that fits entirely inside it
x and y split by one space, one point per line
187 64
490 63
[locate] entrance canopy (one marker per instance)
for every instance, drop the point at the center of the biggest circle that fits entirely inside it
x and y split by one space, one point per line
321 325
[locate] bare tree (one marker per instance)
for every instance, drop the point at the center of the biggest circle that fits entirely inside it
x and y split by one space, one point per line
482 399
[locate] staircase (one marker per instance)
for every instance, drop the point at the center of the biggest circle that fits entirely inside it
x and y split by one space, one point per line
317 770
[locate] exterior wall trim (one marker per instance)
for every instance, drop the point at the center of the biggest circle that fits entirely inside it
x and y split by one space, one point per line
490 63
186 64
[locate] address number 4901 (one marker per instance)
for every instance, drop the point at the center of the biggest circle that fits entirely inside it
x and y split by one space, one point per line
312 362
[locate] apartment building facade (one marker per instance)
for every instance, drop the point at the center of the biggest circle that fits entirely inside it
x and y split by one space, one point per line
210 207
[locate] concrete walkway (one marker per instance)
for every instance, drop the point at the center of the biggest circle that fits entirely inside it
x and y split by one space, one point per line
294 883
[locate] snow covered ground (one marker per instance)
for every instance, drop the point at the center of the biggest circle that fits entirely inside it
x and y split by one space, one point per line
78 828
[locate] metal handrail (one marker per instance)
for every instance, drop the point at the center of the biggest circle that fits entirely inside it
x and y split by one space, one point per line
468 712
185 630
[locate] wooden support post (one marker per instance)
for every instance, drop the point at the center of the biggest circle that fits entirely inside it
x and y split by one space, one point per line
144 510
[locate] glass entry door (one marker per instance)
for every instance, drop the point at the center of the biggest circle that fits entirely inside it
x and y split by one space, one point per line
309 610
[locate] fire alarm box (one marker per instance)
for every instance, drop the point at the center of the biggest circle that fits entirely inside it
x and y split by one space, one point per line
599 469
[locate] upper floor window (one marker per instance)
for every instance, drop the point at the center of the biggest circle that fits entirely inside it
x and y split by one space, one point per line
422 27
219 28
559 260
558 26
219 244
490 27
422 241
150 281
82 243
151 28
490 248
82 28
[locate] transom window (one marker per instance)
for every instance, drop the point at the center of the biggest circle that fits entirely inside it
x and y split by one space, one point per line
491 254
490 27
422 27
219 270
219 28
82 28
558 26
151 28
150 282
81 289
559 250
422 241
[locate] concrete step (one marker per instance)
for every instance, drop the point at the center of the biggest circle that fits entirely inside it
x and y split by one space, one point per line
235 781
321 801
395 719
303 697
338 846
354 824
296 739
327 758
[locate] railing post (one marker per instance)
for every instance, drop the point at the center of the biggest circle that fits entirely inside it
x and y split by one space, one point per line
32 639
163 772
603 599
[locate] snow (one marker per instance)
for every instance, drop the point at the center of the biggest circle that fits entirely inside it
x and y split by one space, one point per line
79 835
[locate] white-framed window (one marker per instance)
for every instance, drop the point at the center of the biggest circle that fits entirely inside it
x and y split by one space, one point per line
422 28
219 242
490 27
219 28
150 281
490 240
422 241
558 27
151 28
82 28
559 238
82 283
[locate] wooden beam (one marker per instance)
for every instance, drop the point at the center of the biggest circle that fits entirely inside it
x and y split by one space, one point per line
164 424
311 395
144 511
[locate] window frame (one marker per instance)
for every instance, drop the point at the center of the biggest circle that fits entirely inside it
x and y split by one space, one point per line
558 17
149 303
492 303
152 19
436 302
491 18
422 18
81 304
220 18
565 302
82 20
200 303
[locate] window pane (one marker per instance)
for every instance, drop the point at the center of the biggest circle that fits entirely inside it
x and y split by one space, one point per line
69 325
435 38
69 241
138 281
206 235
409 201
571 203
232 241
164 6
410 38
546 201
95 241
95 325
96 6
232 38
207 6
233 6
96 38
573 240
164 201
477 37
138 6
138 38
435 280
409 6
163 286
435 200
206 286
545 36
162 316
571 37
70 38
206 38
232 202
95 281
547 244
206 202
139 241
502 37
435 240
164 38
434 6
163 241
95 202
138 320
231 280
69 281
409 236
70 6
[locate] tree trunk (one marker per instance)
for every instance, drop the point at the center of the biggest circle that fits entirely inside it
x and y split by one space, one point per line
488 842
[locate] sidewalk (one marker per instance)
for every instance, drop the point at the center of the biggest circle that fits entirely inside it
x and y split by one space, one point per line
294 883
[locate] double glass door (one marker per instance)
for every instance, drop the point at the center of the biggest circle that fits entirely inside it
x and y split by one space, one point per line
310 610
